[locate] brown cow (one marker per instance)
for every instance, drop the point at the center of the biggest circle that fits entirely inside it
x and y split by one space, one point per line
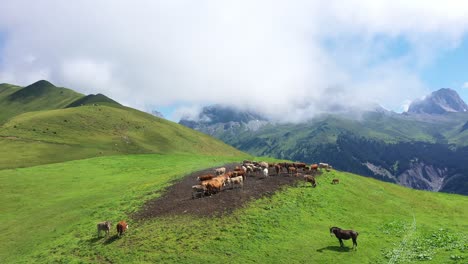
292 170
314 167
311 179
277 169
214 186
335 181
122 226
299 165
205 177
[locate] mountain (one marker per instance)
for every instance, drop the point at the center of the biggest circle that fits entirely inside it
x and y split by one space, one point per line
41 95
216 120
422 151
93 99
439 102
53 124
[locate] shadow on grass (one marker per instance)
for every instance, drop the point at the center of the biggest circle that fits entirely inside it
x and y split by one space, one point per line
111 239
335 248
107 240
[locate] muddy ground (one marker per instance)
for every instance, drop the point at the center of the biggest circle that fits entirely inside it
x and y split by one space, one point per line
177 199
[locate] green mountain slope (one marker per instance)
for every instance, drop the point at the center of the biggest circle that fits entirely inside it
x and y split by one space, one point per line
420 151
41 95
80 132
51 213
95 99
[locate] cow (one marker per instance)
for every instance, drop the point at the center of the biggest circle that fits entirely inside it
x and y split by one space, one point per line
258 169
220 171
122 226
299 165
265 172
214 186
104 226
245 162
277 169
198 191
238 173
263 164
325 166
311 179
239 181
292 170
335 181
205 177
314 167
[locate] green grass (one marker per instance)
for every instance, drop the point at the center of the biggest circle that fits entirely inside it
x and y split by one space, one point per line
50 213
40 95
51 136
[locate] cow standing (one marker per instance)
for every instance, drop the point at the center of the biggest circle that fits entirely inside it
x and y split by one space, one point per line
104 226
122 226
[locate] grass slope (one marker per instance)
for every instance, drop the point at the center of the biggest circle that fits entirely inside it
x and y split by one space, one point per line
51 212
41 95
42 137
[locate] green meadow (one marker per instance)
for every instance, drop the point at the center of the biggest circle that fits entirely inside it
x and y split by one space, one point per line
49 215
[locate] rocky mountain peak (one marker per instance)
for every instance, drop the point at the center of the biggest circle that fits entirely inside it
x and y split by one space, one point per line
441 101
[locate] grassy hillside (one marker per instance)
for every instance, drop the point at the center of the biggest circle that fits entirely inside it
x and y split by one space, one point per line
74 133
51 212
41 95
94 99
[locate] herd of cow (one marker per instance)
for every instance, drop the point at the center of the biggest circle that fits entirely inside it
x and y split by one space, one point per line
220 179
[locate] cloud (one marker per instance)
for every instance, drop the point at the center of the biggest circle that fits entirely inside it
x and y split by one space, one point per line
287 60
465 85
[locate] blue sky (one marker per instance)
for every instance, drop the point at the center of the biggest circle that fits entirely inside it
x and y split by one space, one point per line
287 60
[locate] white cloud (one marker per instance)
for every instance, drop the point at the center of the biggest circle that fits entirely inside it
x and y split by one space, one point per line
465 85
286 59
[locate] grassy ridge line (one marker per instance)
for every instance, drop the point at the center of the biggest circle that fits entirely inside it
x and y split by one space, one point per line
61 203
52 136
40 95
67 200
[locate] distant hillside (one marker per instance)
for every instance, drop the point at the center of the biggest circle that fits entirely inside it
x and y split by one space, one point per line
94 99
362 144
38 128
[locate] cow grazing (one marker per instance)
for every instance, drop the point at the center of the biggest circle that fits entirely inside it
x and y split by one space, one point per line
205 177
311 179
335 181
220 171
344 234
198 191
236 181
122 226
265 172
104 226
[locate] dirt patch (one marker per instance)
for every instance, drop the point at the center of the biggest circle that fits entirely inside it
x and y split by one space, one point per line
177 199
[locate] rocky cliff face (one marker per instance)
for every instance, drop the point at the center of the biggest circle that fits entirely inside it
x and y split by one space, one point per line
419 176
439 102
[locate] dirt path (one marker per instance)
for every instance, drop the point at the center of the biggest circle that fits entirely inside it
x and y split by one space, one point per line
178 197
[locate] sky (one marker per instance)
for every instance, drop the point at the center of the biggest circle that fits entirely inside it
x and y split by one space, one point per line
288 60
